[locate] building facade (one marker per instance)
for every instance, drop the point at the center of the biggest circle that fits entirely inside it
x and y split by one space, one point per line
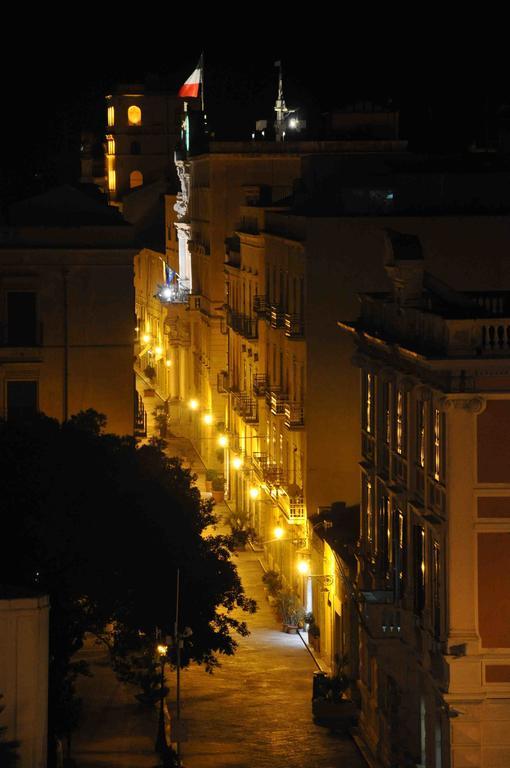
67 301
435 404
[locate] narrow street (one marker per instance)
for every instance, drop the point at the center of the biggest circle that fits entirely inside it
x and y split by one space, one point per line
255 712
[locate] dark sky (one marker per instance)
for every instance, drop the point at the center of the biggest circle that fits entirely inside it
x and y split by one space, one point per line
54 82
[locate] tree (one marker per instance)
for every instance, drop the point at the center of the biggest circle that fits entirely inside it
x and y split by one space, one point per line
102 525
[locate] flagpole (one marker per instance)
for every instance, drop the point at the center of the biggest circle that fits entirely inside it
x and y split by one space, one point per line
203 82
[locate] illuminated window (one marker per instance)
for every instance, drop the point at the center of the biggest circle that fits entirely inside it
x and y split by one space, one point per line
419 568
420 433
111 116
369 507
134 115
437 444
368 397
401 422
436 589
135 179
387 412
111 181
111 145
401 552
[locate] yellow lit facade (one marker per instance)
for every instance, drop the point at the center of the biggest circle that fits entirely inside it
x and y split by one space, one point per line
435 537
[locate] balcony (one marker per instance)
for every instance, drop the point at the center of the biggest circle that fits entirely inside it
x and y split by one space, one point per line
260 305
276 316
260 384
294 415
222 384
268 470
294 326
276 400
140 417
246 407
296 513
242 324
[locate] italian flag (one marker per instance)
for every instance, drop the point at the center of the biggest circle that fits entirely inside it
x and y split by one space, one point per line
191 87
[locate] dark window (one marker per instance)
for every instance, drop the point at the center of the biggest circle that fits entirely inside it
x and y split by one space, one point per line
135 148
384 534
400 547
436 589
21 399
21 319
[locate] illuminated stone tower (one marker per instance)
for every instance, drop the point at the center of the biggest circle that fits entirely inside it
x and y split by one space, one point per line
142 127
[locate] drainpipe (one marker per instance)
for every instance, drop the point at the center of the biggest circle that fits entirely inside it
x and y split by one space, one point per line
65 274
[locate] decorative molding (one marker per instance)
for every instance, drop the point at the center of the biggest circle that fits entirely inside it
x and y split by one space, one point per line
474 405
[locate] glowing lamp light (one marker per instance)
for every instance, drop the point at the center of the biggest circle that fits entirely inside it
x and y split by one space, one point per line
168 363
223 441
237 462
146 338
137 329
159 350
293 123
193 405
165 293
303 567
208 419
278 532
254 493
162 650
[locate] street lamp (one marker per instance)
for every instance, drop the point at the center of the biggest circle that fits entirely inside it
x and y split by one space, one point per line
161 745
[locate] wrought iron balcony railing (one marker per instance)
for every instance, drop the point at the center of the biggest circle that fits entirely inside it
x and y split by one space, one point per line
242 324
260 384
276 400
246 407
276 316
294 326
294 415
260 305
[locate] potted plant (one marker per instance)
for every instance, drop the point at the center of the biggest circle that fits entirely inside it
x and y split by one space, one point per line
218 488
272 584
290 610
210 475
330 704
240 529
314 632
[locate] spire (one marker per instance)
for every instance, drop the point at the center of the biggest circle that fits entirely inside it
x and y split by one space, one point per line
280 107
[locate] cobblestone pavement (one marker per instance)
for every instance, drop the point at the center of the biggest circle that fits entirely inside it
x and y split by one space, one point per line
255 712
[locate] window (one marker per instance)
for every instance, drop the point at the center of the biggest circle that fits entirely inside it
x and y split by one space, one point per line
110 145
419 568
21 399
135 179
387 412
436 589
368 403
111 116
437 464
112 181
21 319
401 435
135 148
134 115
400 552
420 433
384 534
369 512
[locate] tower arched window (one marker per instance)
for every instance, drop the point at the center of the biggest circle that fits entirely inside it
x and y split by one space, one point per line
135 179
134 115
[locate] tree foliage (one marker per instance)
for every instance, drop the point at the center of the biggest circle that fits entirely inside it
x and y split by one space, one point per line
102 525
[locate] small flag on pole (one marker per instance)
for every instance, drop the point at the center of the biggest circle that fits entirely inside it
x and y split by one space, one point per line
191 87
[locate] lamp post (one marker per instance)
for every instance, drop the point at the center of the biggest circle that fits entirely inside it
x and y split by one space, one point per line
161 745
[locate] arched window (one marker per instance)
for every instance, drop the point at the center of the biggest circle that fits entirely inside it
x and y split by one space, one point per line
135 148
135 179
111 116
134 115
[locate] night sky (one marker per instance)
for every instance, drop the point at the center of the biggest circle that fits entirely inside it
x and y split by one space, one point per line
447 97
